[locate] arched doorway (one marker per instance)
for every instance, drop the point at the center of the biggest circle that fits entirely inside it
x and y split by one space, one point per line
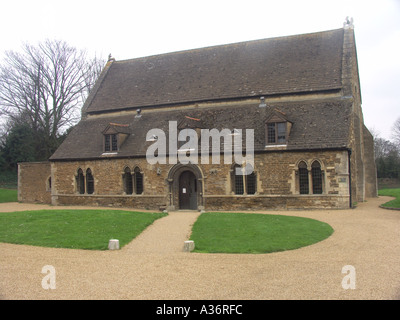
185 187
187 191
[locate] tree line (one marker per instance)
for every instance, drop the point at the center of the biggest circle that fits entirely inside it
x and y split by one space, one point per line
42 89
387 154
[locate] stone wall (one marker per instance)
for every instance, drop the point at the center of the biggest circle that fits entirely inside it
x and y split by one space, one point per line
34 182
146 202
371 184
363 168
269 202
277 183
108 184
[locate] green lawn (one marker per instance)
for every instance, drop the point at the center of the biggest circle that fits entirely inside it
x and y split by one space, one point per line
255 233
392 193
8 195
78 229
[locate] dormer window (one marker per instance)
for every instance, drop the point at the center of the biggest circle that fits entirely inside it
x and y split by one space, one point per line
276 132
110 142
277 128
114 136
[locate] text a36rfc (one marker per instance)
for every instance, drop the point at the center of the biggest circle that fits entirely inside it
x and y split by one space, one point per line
227 309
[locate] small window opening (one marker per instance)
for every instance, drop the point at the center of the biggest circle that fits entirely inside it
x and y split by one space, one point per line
80 182
110 142
251 183
89 181
238 186
281 132
128 182
303 178
138 181
276 132
114 145
271 133
316 174
48 184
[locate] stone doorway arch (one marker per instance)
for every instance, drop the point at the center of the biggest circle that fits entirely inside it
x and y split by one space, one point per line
185 187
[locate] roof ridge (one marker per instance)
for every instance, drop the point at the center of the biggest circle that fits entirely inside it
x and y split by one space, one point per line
226 45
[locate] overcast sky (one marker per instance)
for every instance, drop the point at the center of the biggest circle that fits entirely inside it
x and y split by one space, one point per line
137 28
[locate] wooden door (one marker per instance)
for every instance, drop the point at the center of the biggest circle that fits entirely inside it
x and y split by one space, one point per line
187 191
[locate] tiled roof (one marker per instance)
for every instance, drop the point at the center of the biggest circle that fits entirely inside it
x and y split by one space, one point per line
316 125
284 65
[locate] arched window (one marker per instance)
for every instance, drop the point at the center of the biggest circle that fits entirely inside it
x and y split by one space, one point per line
237 179
128 182
316 174
89 181
48 184
303 178
80 182
138 180
251 183
243 183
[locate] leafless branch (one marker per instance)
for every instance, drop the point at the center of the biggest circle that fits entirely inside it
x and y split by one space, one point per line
48 83
396 131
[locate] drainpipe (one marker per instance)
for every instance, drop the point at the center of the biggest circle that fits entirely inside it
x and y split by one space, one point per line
349 156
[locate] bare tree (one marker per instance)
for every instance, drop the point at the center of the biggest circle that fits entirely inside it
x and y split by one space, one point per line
47 83
396 131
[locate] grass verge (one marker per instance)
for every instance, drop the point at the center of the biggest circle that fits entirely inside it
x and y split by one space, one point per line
8 195
394 204
77 229
255 233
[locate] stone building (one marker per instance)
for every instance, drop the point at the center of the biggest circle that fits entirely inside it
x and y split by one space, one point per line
299 94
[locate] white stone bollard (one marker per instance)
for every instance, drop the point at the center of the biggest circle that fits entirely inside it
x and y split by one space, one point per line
188 246
113 244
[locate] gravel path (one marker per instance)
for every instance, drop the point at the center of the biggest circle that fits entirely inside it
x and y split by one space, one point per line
153 265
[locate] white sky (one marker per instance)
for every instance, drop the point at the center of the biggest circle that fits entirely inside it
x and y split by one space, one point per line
137 28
